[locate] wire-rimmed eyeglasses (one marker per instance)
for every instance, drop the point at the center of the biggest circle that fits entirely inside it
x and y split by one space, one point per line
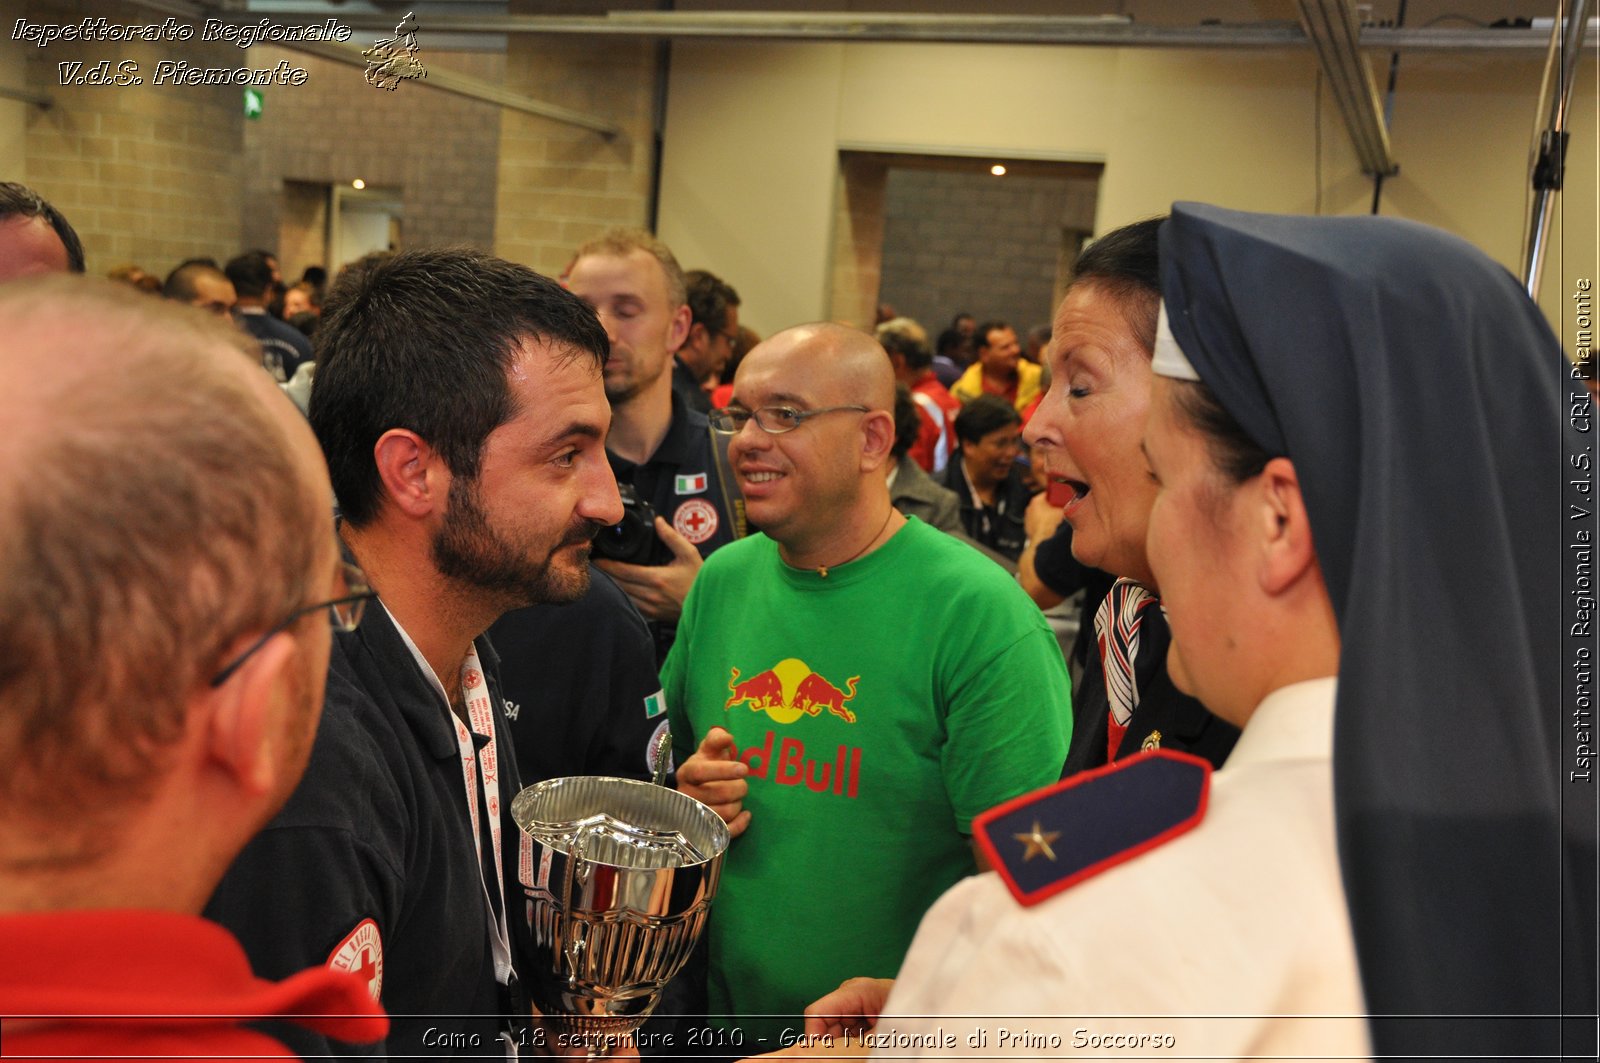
344 613
774 420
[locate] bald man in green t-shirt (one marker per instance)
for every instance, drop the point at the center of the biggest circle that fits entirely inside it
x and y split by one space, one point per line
854 687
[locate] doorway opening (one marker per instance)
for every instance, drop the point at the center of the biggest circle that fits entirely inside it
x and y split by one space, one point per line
931 236
332 225
361 221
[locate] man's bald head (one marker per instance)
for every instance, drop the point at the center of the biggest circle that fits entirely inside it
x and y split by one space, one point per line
817 485
161 500
844 364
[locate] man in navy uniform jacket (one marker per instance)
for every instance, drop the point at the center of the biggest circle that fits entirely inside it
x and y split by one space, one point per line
459 404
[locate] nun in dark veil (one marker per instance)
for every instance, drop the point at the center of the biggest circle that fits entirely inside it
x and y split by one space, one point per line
1442 445
1362 436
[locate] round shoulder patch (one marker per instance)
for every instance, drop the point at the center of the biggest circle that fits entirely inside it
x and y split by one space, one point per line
650 750
696 520
361 953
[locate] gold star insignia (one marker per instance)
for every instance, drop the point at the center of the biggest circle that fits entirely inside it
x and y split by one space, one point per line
1038 841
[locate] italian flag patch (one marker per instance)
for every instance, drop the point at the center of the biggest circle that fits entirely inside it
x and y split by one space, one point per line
691 484
655 705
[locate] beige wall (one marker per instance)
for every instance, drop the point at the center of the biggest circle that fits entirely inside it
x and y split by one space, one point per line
749 170
748 177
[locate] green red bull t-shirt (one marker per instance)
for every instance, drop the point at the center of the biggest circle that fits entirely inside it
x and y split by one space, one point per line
879 708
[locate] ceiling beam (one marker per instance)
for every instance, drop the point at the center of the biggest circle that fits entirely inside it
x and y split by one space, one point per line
38 99
438 78
446 80
1111 31
1331 27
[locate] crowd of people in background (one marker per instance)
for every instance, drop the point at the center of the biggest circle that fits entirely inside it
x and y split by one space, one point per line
406 542
298 304
990 478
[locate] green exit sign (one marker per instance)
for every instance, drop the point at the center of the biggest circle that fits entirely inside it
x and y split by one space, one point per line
252 103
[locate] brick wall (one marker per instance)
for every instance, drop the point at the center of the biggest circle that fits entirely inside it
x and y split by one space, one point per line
560 184
437 149
995 247
146 174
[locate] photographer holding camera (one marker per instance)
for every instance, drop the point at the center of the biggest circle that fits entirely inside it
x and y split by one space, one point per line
679 503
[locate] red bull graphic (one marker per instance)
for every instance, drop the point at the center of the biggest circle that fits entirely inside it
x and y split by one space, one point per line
815 694
792 767
789 690
761 691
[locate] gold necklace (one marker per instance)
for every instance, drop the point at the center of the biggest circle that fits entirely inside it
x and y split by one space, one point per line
822 570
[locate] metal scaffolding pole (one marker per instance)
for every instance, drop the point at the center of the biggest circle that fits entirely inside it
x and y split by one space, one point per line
1550 162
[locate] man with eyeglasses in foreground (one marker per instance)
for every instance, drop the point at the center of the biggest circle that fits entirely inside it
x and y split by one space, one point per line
854 686
167 561
459 403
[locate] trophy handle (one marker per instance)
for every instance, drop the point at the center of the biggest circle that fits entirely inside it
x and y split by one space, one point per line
578 871
661 757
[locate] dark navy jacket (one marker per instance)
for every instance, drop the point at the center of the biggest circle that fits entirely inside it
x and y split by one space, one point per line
682 473
580 684
1001 529
683 483
379 829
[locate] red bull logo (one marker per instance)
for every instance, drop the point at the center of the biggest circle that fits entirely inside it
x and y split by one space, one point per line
789 690
764 690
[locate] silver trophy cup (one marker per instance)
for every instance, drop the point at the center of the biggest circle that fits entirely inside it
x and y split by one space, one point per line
624 876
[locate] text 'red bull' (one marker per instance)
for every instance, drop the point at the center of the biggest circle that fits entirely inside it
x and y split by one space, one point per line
792 768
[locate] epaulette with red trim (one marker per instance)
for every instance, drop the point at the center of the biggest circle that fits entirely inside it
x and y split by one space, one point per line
1043 842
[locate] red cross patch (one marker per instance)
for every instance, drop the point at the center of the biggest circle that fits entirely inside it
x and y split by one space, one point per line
696 520
472 679
361 953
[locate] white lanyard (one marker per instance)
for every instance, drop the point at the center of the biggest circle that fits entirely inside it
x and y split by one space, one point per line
481 713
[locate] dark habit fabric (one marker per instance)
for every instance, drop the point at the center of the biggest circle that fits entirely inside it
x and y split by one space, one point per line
1436 429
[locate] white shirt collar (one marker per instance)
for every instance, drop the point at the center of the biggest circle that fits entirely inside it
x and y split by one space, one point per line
422 662
1291 723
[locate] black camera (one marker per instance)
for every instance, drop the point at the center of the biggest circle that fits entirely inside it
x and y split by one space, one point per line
633 539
